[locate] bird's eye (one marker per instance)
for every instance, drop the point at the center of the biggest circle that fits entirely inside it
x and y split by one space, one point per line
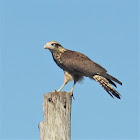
52 44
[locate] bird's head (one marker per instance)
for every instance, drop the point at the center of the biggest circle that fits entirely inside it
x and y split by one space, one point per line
54 46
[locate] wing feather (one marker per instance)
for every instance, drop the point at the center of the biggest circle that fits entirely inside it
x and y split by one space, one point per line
78 63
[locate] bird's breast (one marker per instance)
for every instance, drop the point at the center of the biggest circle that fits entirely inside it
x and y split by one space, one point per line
57 59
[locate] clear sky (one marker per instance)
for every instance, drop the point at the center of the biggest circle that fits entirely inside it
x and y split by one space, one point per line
104 30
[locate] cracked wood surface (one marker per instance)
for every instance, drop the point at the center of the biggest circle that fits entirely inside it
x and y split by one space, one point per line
57 116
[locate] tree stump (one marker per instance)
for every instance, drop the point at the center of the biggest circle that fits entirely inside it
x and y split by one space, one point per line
57 116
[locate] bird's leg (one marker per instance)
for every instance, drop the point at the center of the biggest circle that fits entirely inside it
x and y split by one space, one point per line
62 86
67 78
73 89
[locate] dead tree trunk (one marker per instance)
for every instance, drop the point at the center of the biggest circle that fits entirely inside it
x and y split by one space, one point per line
57 116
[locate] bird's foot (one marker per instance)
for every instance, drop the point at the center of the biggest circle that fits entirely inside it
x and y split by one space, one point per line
72 95
56 90
71 92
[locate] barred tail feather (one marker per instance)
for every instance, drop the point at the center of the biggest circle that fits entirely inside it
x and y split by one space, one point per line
110 77
106 85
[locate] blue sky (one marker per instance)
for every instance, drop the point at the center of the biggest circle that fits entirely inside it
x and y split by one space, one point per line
104 30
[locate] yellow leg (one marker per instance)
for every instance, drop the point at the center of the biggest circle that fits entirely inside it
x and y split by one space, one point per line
67 78
73 87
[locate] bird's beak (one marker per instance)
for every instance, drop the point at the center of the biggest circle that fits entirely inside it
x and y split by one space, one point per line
46 46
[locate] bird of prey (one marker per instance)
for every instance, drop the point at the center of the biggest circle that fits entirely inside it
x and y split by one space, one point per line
77 65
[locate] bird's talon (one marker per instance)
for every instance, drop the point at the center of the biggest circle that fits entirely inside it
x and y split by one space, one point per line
72 95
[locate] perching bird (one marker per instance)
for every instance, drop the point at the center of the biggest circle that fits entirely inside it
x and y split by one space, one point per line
77 65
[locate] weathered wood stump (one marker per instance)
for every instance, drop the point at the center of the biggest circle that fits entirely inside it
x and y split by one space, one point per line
57 116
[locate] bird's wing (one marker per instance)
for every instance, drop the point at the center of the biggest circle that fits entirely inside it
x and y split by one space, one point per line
78 63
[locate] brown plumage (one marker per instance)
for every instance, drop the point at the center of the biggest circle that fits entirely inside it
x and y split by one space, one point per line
76 65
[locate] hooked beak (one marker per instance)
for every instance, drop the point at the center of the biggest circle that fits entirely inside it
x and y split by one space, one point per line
46 46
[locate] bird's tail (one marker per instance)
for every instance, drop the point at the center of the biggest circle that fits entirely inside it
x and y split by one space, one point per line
107 76
106 85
